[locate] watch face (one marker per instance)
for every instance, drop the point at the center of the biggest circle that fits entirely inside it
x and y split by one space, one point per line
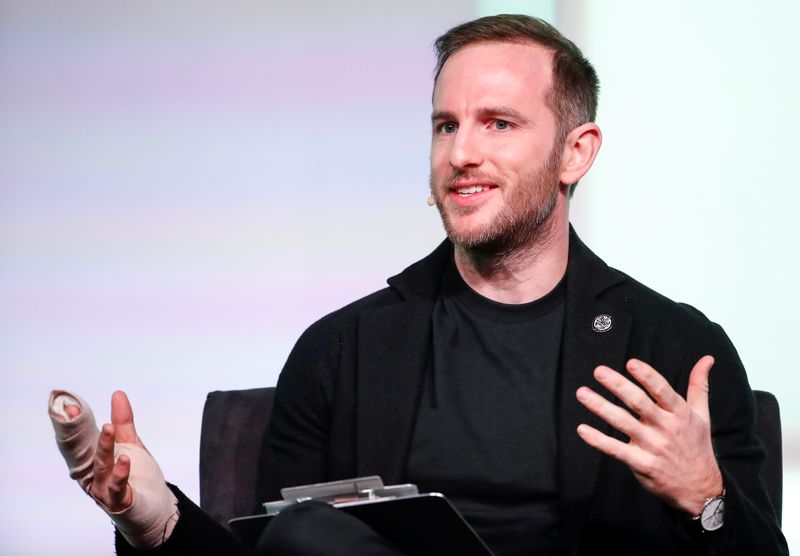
713 515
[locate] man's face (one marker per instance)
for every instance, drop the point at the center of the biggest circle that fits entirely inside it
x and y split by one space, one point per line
494 164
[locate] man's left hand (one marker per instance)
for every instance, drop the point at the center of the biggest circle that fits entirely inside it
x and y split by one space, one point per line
669 450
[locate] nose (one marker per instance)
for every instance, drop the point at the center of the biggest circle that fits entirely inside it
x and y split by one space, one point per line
465 151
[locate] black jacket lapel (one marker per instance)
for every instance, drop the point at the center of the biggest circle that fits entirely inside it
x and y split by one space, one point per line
595 332
390 377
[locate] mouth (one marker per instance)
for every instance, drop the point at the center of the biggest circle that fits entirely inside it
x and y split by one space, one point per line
468 193
467 190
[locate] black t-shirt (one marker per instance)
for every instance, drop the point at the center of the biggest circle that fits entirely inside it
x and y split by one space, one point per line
485 434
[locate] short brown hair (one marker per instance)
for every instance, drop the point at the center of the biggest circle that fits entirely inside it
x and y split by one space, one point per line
573 97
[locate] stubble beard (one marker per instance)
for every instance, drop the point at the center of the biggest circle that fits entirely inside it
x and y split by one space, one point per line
522 224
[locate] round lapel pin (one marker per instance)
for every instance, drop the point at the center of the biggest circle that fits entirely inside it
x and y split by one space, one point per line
602 323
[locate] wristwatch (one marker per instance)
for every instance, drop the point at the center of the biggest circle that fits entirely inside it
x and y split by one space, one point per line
712 516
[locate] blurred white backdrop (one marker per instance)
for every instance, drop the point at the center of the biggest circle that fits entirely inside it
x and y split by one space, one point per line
184 187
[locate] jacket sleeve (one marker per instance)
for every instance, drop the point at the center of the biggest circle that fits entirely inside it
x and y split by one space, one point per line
297 447
751 523
195 533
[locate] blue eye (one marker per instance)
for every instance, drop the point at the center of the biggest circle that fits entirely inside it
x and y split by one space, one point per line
448 127
501 125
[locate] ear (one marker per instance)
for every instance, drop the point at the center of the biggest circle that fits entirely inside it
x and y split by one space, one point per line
580 149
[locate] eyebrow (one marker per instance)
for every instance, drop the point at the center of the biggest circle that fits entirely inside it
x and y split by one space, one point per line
489 111
440 115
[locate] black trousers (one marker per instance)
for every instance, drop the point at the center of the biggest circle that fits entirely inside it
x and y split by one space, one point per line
317 529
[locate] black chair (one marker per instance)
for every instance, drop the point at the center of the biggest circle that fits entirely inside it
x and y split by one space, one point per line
234 426
235 423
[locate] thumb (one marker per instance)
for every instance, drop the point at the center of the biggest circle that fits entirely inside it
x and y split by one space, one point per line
122 419
697 393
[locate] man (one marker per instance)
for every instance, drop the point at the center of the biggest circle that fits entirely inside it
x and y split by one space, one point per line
469 374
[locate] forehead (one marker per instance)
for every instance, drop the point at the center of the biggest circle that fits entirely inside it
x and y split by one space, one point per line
493 72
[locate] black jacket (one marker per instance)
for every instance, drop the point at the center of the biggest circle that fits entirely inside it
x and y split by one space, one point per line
348 396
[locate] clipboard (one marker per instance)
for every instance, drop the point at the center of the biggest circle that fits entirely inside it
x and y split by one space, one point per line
421 525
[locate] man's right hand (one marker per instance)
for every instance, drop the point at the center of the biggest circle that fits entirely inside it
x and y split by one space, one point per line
147 519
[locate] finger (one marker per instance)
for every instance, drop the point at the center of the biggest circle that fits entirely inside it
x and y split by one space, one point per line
120 494
622 451
612 414
656 385
103 456
630 394
122 418
697 393
72 411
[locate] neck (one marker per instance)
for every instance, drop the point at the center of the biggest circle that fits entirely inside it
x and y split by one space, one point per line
521 275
